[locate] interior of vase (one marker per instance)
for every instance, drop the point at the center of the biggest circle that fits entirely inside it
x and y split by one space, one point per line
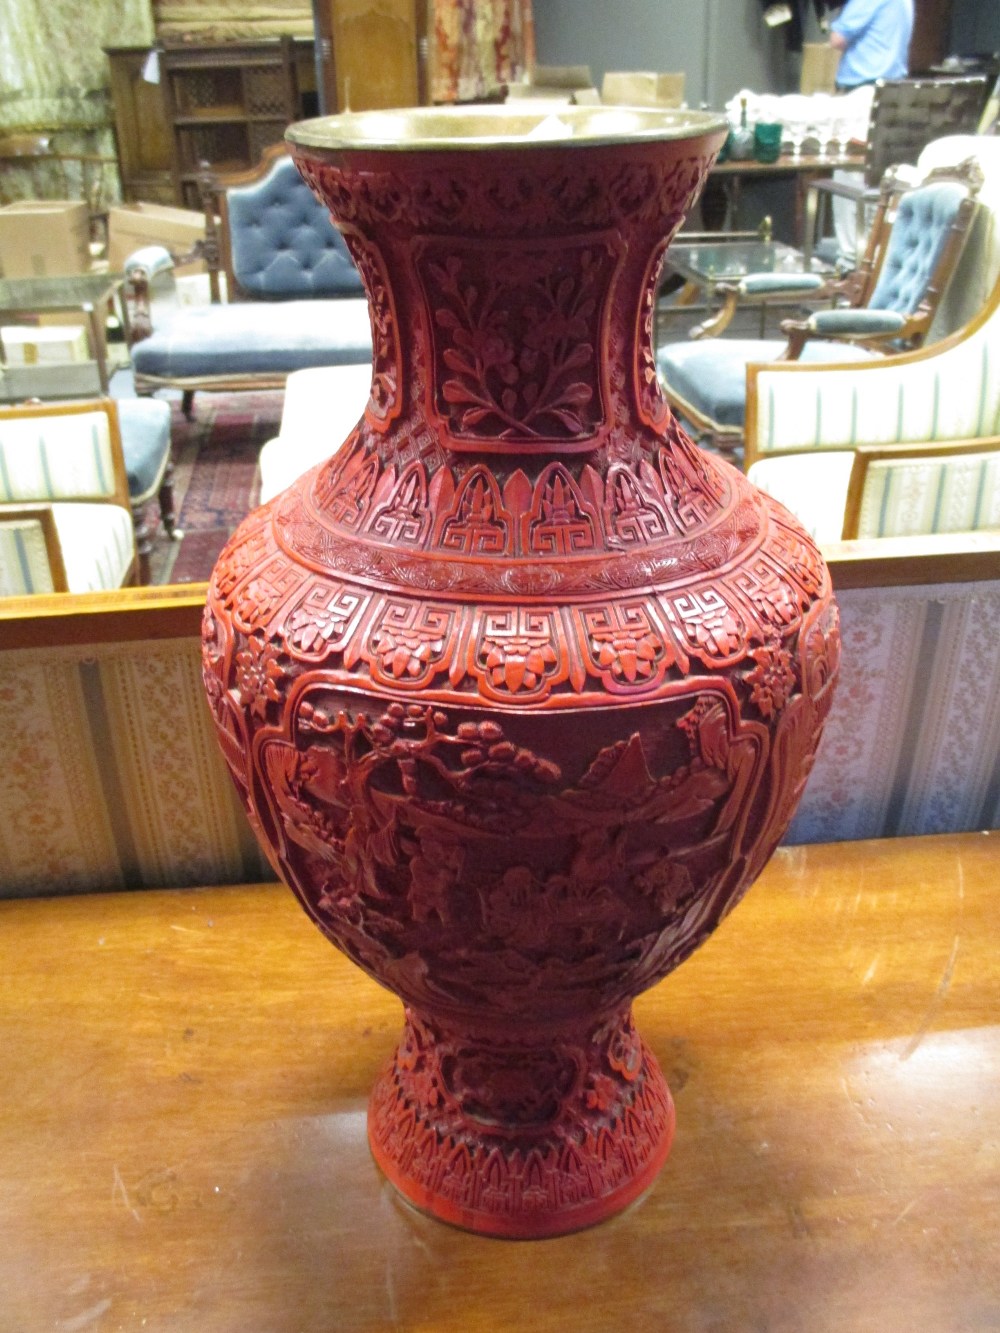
489 126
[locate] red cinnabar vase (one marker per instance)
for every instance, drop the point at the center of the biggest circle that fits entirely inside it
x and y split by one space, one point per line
520 687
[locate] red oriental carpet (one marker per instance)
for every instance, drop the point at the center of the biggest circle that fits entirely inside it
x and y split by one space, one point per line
216 478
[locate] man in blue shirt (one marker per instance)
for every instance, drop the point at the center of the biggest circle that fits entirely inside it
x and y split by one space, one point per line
874 38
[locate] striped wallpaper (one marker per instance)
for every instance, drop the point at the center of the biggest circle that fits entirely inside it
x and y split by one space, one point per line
912 744
113 777
112 773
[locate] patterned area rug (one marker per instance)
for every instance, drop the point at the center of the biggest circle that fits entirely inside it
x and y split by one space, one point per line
216 478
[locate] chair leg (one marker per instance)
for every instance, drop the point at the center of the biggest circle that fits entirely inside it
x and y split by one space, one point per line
187 404
165 497
144 533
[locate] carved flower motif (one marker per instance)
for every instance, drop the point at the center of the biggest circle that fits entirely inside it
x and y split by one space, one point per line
406 652
718 633
259 675
518 663
308 628
772 679
630 657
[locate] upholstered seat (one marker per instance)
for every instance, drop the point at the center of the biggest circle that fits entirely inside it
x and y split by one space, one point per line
218 342
145 428
898 491
711 377
296 298
321 408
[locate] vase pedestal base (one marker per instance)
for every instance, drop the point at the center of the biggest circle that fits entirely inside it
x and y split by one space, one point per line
521 1142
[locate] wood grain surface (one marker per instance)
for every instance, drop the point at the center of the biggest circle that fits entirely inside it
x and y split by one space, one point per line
183 1079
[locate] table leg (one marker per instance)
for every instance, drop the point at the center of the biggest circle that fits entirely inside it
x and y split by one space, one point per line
97 340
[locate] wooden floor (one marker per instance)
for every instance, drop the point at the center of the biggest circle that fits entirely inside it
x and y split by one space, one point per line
183 1079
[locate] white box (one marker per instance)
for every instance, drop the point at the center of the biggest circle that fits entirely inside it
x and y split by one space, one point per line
27 345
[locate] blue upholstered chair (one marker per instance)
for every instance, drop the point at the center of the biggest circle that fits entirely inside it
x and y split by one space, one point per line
295 297
144 425
891 300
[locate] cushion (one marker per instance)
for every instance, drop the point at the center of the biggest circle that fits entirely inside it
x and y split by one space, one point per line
334 396
919 232
46 458
98 544
813 486
283 243
711 375
145 432
251 337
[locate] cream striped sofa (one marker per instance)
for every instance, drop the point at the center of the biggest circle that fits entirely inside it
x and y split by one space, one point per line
65 518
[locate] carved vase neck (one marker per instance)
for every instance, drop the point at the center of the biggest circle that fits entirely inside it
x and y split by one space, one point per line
512 290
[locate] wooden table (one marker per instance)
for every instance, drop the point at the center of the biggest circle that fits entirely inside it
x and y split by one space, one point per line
804 170
182 1136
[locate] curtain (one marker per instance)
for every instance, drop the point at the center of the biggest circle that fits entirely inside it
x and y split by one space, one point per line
54 80
478 45
231 20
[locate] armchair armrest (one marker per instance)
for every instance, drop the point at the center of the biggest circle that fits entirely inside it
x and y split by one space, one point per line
851 323
141 268
757 287
861 323
778 284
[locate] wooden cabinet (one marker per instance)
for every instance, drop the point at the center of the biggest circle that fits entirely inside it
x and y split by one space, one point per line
373 53
142 132
222 104
225 104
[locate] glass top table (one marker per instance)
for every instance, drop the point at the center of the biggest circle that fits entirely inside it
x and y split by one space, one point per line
72 292
88 293
703 266
727 261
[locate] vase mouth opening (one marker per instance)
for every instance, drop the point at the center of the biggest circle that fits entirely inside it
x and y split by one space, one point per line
468 128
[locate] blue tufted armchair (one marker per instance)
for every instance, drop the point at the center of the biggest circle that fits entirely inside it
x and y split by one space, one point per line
295 296
886 306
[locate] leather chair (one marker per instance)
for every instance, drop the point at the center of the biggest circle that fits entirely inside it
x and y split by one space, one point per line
65 516
905 116
295 296
890 304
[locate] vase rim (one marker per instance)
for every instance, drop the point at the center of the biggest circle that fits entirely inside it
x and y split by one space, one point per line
465 128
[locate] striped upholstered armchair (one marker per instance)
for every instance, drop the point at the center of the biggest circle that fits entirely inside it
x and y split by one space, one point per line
917 433
65 517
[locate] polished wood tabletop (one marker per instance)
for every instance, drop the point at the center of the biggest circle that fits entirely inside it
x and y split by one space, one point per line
183 1078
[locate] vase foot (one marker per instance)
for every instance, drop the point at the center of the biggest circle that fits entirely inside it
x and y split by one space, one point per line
521 1141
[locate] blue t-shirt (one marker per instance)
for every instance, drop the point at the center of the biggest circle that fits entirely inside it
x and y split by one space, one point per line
877 33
